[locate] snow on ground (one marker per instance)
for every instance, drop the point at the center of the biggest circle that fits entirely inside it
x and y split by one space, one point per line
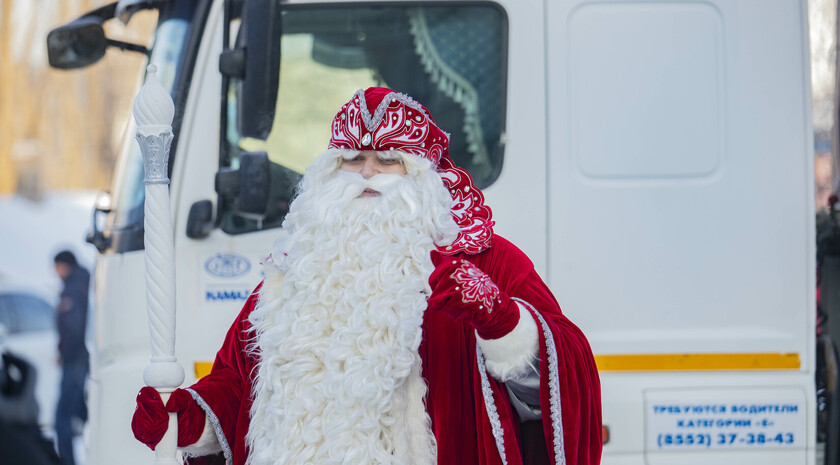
31 233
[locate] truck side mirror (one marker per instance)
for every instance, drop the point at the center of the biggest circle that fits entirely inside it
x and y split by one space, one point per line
77 44
200 219
254 184
250 185
96 234
82 42
258 190
255 65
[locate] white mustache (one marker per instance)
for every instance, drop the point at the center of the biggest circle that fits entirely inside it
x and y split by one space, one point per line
380 183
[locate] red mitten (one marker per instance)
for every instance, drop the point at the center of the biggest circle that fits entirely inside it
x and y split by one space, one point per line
465 293
150 419
190 416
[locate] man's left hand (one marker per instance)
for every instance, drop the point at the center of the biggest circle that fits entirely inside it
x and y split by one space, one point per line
465 293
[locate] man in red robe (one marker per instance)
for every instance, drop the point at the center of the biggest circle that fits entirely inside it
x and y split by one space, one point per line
393 326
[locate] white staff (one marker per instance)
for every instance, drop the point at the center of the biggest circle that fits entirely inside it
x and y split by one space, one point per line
153 112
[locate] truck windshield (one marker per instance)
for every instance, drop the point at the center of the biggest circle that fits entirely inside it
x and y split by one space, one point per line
451 58
168 52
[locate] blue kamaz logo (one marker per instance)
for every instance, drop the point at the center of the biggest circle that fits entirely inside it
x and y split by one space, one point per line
227 295
227 265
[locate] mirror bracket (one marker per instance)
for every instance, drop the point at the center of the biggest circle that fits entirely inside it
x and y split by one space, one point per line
127 46
232 63
95 235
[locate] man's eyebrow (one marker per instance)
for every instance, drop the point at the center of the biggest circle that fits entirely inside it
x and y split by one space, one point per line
389 155
350 154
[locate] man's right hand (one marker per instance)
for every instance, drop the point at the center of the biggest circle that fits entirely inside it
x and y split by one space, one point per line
465 293
151 418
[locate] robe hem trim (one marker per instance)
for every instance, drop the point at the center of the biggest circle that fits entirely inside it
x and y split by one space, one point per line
490 404
553 387
217 426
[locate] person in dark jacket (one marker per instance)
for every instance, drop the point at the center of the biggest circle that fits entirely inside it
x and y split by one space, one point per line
72 321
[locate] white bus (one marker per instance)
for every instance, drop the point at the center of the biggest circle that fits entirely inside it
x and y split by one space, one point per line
654 159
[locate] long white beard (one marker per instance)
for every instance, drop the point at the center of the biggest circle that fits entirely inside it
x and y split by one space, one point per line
338 324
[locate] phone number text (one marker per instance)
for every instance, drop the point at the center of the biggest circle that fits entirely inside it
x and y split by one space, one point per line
668 440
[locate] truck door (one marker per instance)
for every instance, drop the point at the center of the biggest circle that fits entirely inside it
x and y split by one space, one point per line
681 220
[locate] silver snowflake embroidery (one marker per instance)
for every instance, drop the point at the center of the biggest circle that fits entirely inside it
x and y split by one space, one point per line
475 285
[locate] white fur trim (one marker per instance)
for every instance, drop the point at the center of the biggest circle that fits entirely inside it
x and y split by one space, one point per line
207 444
514 354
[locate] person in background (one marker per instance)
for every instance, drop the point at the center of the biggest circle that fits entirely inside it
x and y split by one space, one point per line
73 355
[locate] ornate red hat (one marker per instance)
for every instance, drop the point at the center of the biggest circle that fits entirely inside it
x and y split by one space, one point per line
398 122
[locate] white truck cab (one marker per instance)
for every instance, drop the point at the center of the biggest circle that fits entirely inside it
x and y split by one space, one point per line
653 159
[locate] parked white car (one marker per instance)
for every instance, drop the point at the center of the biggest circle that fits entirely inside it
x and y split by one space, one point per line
27 329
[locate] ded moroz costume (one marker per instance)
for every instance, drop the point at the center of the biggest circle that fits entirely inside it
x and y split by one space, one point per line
398 330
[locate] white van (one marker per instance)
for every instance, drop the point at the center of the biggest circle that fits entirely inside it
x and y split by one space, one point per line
654 159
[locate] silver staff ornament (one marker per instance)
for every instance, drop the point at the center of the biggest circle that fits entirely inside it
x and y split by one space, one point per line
153 112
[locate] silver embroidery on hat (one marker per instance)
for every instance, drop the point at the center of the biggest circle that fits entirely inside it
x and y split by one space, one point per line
372 121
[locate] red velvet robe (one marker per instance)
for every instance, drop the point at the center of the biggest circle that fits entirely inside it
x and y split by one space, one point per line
470 427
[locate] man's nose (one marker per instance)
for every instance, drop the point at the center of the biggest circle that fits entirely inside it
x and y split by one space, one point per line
369 169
